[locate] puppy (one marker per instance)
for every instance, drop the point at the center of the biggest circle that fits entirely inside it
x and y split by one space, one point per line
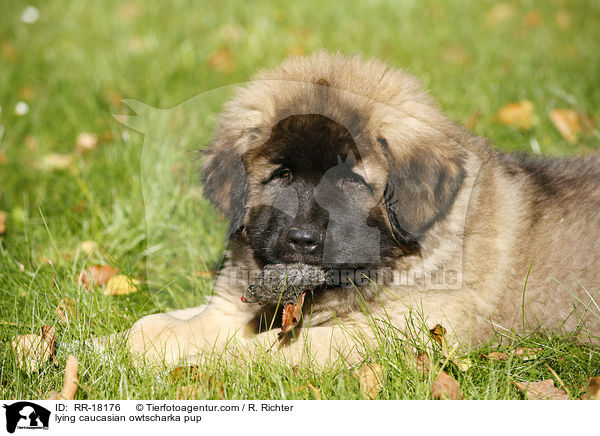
349 166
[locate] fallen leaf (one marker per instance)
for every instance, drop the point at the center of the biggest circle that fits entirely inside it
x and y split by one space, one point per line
31 352
526 353
567 123
88 247
315 391
496 355
191 372
521 353
26 92
533 19
438 334
563 19
96 275
197 383
66 310
446 388
542 390
500 12
519 115
120 285
86 141
222 60
205 274
370 378
292 314
2 222
594 389
56 161
130 10
456 55
422 364
70 382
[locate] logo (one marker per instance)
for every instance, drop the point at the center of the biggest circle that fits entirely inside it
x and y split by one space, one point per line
26 415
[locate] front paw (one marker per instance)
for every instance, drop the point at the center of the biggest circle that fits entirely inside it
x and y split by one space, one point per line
160 338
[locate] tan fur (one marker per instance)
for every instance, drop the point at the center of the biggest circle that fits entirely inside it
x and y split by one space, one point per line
503 221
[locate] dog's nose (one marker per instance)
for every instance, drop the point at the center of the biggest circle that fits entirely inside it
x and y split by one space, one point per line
304 240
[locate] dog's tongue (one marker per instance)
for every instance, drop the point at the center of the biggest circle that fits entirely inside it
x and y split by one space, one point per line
284 283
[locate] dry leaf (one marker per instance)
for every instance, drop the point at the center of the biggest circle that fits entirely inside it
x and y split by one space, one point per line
198 383
191 372
519 115
2 222
120 285
438 334
594 389
32 351
563 19
542 390
88 247
446 388
70 382
521 353
500 12
222 60
315 391
370 378
66 310
496 355
456 55
86 141
56 161
96 275
533 19
567 123
292 314
526 353
205 274
423 365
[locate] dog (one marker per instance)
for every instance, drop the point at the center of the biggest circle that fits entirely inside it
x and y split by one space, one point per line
348 165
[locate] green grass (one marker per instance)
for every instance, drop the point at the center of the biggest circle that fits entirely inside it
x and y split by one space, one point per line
74 65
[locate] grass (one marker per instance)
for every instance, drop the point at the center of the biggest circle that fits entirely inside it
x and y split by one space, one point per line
80 59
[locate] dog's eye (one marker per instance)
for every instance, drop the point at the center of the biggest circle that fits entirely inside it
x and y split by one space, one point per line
283 174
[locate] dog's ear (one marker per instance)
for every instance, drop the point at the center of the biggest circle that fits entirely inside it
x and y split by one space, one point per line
226 184
420 190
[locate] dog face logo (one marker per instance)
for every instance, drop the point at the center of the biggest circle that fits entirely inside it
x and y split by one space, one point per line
26 415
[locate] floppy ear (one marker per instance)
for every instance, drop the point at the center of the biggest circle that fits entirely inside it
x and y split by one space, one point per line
420 191
226 184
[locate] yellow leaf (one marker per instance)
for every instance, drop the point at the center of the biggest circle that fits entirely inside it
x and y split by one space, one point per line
519 115
120 285
567 123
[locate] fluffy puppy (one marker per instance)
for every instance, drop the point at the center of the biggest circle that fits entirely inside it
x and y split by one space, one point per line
349 166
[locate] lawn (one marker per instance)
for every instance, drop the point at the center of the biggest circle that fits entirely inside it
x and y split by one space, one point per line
68 70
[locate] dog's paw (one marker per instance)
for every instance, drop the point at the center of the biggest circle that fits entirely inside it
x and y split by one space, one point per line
161 338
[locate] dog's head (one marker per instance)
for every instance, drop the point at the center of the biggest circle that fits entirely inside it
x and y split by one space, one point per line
331 161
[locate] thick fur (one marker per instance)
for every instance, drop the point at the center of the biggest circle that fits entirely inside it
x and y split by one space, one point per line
521 234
